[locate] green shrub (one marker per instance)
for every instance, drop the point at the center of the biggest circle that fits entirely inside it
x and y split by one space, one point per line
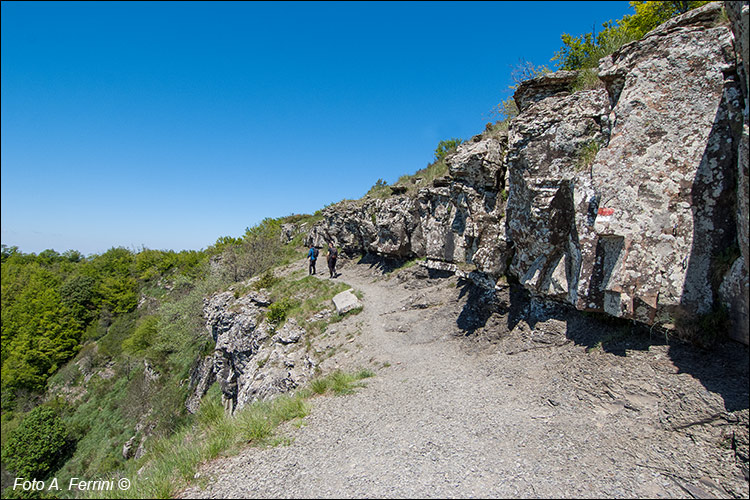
288 407
267 280
506 110
319 385
277 312
587 154
446 147
121 328
143 336
587 79
211 411
364 373
37 445
255 425
379 190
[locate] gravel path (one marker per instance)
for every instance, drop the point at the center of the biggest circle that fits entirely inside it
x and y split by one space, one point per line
535 413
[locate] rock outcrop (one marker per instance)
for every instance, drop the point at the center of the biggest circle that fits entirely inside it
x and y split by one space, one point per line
736 288
664 184
458 219
252 360
630 199
550 152
636 229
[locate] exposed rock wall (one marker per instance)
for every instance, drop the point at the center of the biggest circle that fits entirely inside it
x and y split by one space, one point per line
628 199
640 229
458 219
736 288
551 146
251 360
664 183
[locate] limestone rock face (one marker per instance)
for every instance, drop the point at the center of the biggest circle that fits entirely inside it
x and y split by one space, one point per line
621 202
736 292
290 230
663 185
456 220
630 199
478 172
383 226
251 360
551 147
543 86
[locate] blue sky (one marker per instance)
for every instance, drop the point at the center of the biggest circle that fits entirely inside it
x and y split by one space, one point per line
168 125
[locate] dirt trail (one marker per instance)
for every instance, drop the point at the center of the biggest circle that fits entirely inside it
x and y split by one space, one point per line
518 408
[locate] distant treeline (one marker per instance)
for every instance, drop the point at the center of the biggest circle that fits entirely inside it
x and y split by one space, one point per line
81 335
52 303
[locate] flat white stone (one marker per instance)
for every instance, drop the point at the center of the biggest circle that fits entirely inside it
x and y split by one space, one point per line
346 301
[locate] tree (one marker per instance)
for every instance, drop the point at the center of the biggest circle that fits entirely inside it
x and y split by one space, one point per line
37 444
39 333
649 15
115 270
8 252
79 294
445 147
584 51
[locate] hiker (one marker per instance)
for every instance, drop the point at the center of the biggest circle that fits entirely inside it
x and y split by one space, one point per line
332 255
313 256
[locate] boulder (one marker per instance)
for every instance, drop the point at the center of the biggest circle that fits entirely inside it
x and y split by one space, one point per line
346 301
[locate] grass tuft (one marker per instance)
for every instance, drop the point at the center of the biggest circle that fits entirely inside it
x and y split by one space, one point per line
171 462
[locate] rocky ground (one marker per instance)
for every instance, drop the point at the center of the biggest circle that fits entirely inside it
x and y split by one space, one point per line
476 396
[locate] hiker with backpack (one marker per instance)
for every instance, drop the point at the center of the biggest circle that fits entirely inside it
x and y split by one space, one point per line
332 256
313 256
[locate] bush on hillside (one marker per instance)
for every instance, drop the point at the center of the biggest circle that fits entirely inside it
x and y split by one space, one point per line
37 444
584 51
445 147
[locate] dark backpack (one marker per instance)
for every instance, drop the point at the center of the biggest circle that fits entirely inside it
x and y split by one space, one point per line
315 252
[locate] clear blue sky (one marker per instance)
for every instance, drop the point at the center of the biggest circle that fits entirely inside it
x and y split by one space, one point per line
167 125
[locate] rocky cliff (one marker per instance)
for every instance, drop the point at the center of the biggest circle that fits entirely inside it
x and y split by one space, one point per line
252 359
628 199
735 288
